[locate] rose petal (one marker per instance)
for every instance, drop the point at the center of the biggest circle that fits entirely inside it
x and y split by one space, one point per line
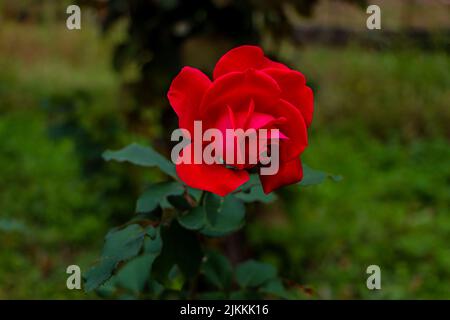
243 58
186 93
289 172
307 105
233 87
215 178
260 120
294 128
294 90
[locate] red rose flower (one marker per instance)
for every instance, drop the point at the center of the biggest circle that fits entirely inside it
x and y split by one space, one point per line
248 91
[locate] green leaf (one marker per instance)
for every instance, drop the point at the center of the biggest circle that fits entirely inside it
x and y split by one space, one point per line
252 191
123 244
152 232
276 288
107 289
313 177
154 215
223 215
155 288
156 195
218 270
217 217
213 205
176 279
195 193
194 219
153 243
120 245
253 273
143 156
134 275
98 274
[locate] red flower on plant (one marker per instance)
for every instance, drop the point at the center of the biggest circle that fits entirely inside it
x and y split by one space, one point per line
248 91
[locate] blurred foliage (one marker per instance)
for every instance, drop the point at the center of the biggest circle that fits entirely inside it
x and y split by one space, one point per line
381 122
58 113
391 209
161 33
394 95
51 190
45 206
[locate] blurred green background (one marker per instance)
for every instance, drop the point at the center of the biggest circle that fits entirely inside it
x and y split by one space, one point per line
381 121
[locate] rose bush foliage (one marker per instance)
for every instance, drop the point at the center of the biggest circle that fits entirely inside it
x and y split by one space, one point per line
165 251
